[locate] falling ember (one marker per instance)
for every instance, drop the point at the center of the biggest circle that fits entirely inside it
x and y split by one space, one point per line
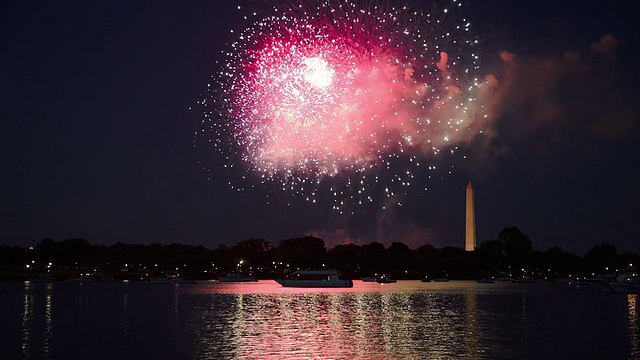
331 90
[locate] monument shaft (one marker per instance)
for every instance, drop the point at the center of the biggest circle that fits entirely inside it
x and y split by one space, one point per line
470 236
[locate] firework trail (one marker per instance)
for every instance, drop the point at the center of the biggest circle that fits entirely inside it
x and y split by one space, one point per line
344 98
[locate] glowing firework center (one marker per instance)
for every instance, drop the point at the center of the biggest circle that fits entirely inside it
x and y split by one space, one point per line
318 73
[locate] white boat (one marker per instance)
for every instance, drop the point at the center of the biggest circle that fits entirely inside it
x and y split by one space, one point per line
385 280
601 279
628 283
234 277
168 279
90 278
315 279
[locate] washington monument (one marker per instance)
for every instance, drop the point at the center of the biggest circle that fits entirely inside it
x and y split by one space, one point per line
470 236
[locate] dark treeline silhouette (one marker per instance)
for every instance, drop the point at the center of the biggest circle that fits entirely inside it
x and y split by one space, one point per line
511 254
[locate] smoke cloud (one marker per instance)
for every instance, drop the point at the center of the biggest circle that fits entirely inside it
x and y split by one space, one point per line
577 93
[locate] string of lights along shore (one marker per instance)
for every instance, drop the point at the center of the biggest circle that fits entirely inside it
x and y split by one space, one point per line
344 103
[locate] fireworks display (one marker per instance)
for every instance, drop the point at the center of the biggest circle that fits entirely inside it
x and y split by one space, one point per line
345 98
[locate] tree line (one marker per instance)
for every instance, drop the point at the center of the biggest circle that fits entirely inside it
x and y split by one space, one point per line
511 254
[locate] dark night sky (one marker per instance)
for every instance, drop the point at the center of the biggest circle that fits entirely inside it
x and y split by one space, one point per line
96 135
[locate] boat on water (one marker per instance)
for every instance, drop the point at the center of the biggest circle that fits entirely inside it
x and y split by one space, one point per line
79 280
95 277
385 280
168 279
485 281
235 277
564 280
625 283
315 279
41 278
594 280
368 279
425 279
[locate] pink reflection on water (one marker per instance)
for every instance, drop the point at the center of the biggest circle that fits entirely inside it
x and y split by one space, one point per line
634 330
271 287
369 321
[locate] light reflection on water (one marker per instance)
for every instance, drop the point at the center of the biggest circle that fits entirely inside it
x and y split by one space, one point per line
27 323
406 320
634 326
48 318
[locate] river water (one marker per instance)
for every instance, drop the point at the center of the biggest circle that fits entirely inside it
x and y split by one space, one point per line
405 320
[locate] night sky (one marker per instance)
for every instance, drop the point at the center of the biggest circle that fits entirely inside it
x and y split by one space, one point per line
97 142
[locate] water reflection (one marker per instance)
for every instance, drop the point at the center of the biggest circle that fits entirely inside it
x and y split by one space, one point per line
634 327
524 324
36 314
472 335
27 321
48 324
125 320
407 324
409 320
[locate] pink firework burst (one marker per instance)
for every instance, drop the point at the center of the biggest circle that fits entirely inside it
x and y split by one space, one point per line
337 89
